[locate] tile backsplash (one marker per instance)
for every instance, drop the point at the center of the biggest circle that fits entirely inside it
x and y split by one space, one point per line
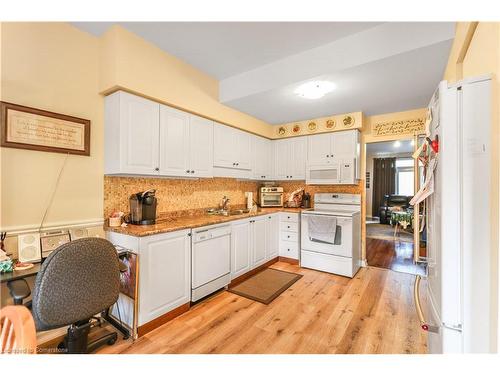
176 195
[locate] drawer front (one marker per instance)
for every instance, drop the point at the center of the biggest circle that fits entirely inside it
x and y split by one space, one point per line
289 217
289 249
289 227
328 263
289 236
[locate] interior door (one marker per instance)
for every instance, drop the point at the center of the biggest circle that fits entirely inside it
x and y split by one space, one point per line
139 123
174 142
201 141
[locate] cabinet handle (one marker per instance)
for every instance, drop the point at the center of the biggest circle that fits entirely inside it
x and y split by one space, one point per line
192 171
288 226
331 155
327 156
157 169
187 171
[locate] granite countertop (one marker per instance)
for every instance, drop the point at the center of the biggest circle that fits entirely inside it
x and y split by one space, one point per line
173 224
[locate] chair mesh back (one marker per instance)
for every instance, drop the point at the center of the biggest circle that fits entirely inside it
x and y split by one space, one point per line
76 281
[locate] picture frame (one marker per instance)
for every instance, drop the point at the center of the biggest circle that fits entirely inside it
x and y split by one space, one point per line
39 130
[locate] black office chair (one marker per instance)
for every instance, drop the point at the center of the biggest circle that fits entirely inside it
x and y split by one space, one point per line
77 281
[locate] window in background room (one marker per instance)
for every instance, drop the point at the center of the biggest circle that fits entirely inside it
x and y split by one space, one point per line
404 176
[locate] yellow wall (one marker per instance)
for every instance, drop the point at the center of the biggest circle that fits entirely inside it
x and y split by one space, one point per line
51 66
166 79
476 51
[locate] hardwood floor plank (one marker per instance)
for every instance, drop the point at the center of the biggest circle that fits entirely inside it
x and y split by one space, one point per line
320 313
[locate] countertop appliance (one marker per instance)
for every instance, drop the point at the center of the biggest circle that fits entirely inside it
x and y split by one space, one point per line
143 207
460 314
271 196
331 234
211 260
306 200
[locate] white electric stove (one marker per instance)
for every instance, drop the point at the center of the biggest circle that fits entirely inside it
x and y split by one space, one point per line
331 234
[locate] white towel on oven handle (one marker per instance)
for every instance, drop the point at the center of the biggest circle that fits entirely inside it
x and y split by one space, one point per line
322 228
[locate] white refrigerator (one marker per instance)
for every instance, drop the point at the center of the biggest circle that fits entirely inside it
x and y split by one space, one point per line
459 309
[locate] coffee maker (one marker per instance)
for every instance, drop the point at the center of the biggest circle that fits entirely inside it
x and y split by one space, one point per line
143 207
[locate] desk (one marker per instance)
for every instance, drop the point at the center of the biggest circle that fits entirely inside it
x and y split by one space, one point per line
16 275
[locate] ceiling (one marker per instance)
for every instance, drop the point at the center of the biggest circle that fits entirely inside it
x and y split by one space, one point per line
388 148
376 67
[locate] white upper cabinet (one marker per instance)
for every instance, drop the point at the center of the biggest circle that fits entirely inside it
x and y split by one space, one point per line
201 145
131 135
186 143
232 149
330 148
262 158
143 137
174 142
291 156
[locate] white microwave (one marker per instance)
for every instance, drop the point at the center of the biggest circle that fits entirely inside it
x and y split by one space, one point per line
338 172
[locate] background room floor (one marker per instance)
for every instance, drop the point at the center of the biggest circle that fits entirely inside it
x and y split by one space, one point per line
320 313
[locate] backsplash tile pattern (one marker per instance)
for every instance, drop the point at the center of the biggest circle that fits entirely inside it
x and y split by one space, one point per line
176 195
192 196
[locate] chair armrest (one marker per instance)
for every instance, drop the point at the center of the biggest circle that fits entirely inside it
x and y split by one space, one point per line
19 290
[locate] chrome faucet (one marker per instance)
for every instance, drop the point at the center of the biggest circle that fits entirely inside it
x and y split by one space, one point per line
224 202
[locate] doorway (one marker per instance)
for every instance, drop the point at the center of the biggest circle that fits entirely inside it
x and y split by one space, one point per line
390 185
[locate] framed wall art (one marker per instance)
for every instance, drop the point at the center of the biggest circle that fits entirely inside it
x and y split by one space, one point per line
35 129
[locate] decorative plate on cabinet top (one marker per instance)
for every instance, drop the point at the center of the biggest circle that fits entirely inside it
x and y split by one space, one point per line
312 126
296 129
281 131
348 121
330 124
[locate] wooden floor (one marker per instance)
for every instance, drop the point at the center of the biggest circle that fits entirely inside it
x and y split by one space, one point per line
392 254
320 313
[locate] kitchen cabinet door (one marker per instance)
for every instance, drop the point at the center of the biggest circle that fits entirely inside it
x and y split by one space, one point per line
258 157
319 149
297 165
272 236
344 144
201 144
131 135
174 142
165 274
243 149
259 241
240 248
282 154
224 146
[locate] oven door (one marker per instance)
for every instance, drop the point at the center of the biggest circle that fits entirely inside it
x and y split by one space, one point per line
338 243
271 199
323 174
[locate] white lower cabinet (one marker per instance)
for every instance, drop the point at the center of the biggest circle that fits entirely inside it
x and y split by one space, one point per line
258 240
165 274
289 235
164 271
254 241
240 248
272 236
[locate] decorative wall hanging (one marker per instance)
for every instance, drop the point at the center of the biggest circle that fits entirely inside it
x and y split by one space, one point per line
39 130
330 124
312 126
401 127
296 129
281 131
348 121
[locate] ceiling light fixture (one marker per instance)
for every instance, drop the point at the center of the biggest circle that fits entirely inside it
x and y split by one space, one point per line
397 144
314 89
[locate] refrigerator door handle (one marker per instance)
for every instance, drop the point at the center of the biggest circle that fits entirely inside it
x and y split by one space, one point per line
416 296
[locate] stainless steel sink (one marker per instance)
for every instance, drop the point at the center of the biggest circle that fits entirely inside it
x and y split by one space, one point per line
227 213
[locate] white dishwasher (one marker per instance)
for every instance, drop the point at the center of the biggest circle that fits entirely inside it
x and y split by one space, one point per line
211 260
